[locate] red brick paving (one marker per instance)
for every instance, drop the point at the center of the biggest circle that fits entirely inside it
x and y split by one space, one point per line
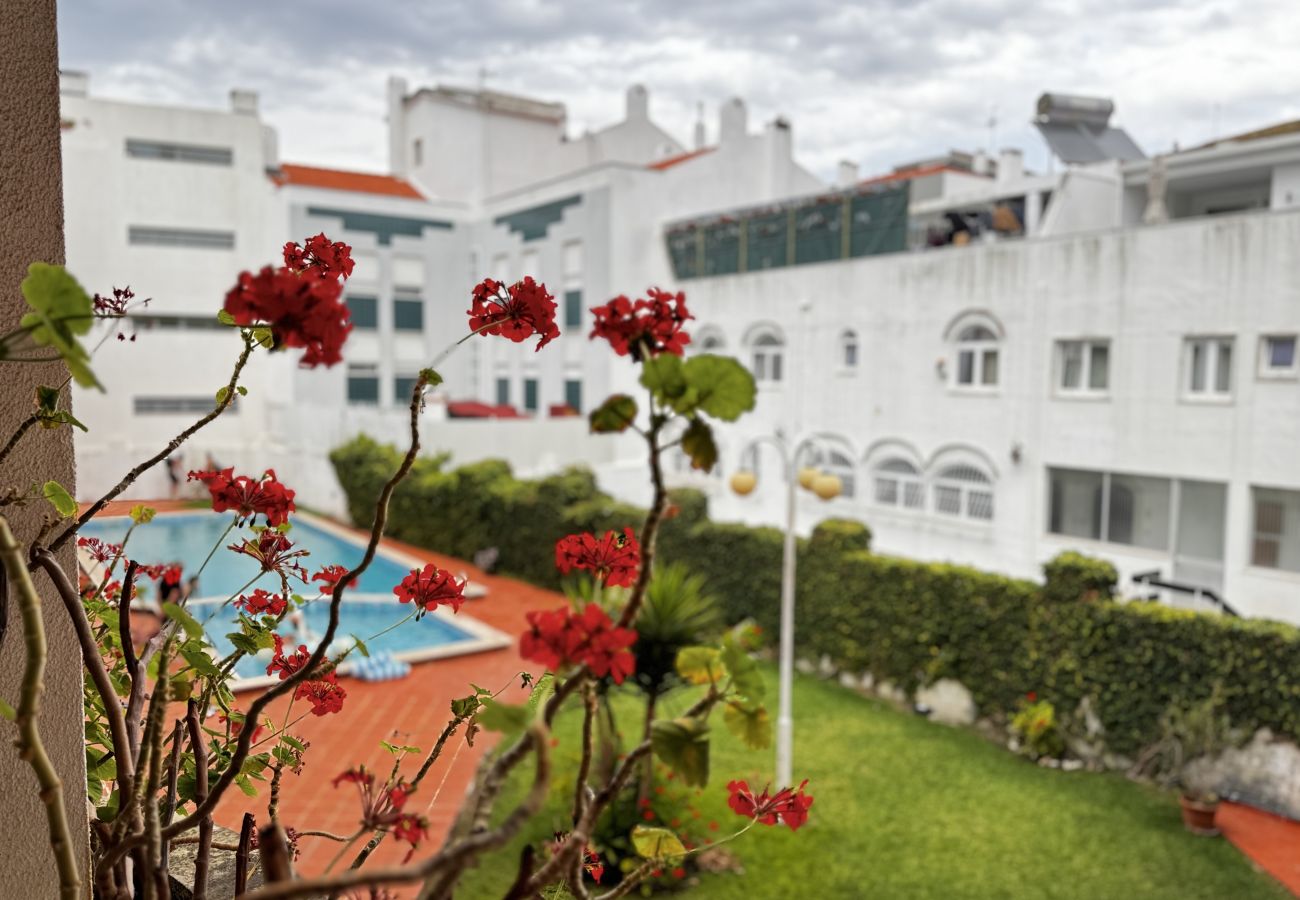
1272 842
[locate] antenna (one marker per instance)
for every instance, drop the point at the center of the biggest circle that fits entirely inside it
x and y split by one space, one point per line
993 128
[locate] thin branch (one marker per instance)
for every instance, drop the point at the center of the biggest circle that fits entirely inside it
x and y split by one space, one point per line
94 663
124 617
130 477
199 749
242 851
584 766
154 878
22 429
173 772
31 749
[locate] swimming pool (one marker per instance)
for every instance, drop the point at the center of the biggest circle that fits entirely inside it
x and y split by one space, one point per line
369 606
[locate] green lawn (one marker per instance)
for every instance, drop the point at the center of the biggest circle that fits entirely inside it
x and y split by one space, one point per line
909 809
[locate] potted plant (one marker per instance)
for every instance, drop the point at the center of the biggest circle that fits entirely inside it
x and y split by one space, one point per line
1192 735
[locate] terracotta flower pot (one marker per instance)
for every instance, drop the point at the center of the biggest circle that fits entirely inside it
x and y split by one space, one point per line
1198 816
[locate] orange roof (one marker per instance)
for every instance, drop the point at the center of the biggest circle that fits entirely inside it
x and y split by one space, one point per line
671 161
909 174
340 180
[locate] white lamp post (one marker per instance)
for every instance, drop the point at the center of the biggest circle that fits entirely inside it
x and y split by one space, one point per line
826 486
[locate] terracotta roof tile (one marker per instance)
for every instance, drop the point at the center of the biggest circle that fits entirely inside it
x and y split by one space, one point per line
340 180
669 162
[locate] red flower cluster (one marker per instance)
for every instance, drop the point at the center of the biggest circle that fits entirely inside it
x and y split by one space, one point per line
324 693
248 496
641 326
303 310
332 259
262 603
613 558
100 551
382 806
274 552
788 805
329 576
431 587
559 637
591 862
517 312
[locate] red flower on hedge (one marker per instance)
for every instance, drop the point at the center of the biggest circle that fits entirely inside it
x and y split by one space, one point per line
248 496
640 326
613 558
430 588
262 603
302 310
788 805
274 552
329 576
560 637
331 259
517 312
382 806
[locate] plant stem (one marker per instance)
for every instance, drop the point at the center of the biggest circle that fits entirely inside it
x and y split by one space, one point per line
22 429
31 749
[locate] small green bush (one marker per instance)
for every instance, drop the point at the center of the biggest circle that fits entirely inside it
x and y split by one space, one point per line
1070 577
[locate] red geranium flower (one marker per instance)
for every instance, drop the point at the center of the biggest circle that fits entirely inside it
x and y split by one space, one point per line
382 806
325 694
261 603
329 576
330 258
517 312
560 637
591 862
430 587
613 558
788 805
287 665
303 310
275 552
100 551
641 326
248 496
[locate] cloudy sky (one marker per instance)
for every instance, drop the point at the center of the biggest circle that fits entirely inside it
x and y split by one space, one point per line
878 82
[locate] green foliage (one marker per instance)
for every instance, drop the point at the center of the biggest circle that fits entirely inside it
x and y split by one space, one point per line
48 412
656 843
683 745
1071 577
60 311
615 415
698 444
717 386
60 499
1037 729
832 538
677 611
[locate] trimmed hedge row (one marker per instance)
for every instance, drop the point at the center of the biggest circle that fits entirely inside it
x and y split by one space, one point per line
904 621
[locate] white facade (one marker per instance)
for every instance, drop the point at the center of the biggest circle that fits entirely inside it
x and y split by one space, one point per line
1068 378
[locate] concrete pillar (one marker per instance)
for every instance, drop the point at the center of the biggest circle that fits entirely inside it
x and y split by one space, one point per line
31 195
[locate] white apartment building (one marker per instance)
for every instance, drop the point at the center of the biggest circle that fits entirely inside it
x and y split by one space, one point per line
1000 364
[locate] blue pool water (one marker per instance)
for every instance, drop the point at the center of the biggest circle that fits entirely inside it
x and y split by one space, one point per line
187 539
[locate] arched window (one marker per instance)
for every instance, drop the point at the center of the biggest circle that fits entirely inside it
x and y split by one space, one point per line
707 340
849 349
767 354
898 483
977 357
963 490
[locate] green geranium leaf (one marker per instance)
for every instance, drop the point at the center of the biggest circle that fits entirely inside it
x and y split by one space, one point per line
60 310
614 415
751 725
6 710
263 336
746 677
662 375
243 643
245 785
723 388
683 745
200 661
465 706
142 515
59 497
656 843
698 444
225 318
505 717
431 378
542 690
700 665
222 393
184 619
47 400
243 391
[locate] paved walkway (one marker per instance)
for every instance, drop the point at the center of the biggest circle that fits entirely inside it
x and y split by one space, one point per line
1272 842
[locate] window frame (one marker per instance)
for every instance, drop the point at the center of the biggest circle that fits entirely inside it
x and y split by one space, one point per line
914 478
1213 344
1085 390
979 350
348 300
1269 372
964 487
1278 537
365 372
408 302
532 385
767 355
850 351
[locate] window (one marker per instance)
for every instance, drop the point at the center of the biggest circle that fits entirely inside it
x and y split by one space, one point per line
1209 367
573 309
573 394
364 311
573 262
849 349
1275 540
530 394
1083 367
503 392
768 357
842 467
176 323
1119 509
963 490
977 358
898 483
218 156
403 385
363 384
159 406
180 237
706 340
408 314
1277 356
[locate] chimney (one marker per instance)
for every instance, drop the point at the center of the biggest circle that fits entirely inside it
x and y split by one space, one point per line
270 149
243 102
846 175
979 163
700 137
397 125
733 121
1011 166
638 104
778 143
74 84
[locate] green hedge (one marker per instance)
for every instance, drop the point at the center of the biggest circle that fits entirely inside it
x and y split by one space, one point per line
904 621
